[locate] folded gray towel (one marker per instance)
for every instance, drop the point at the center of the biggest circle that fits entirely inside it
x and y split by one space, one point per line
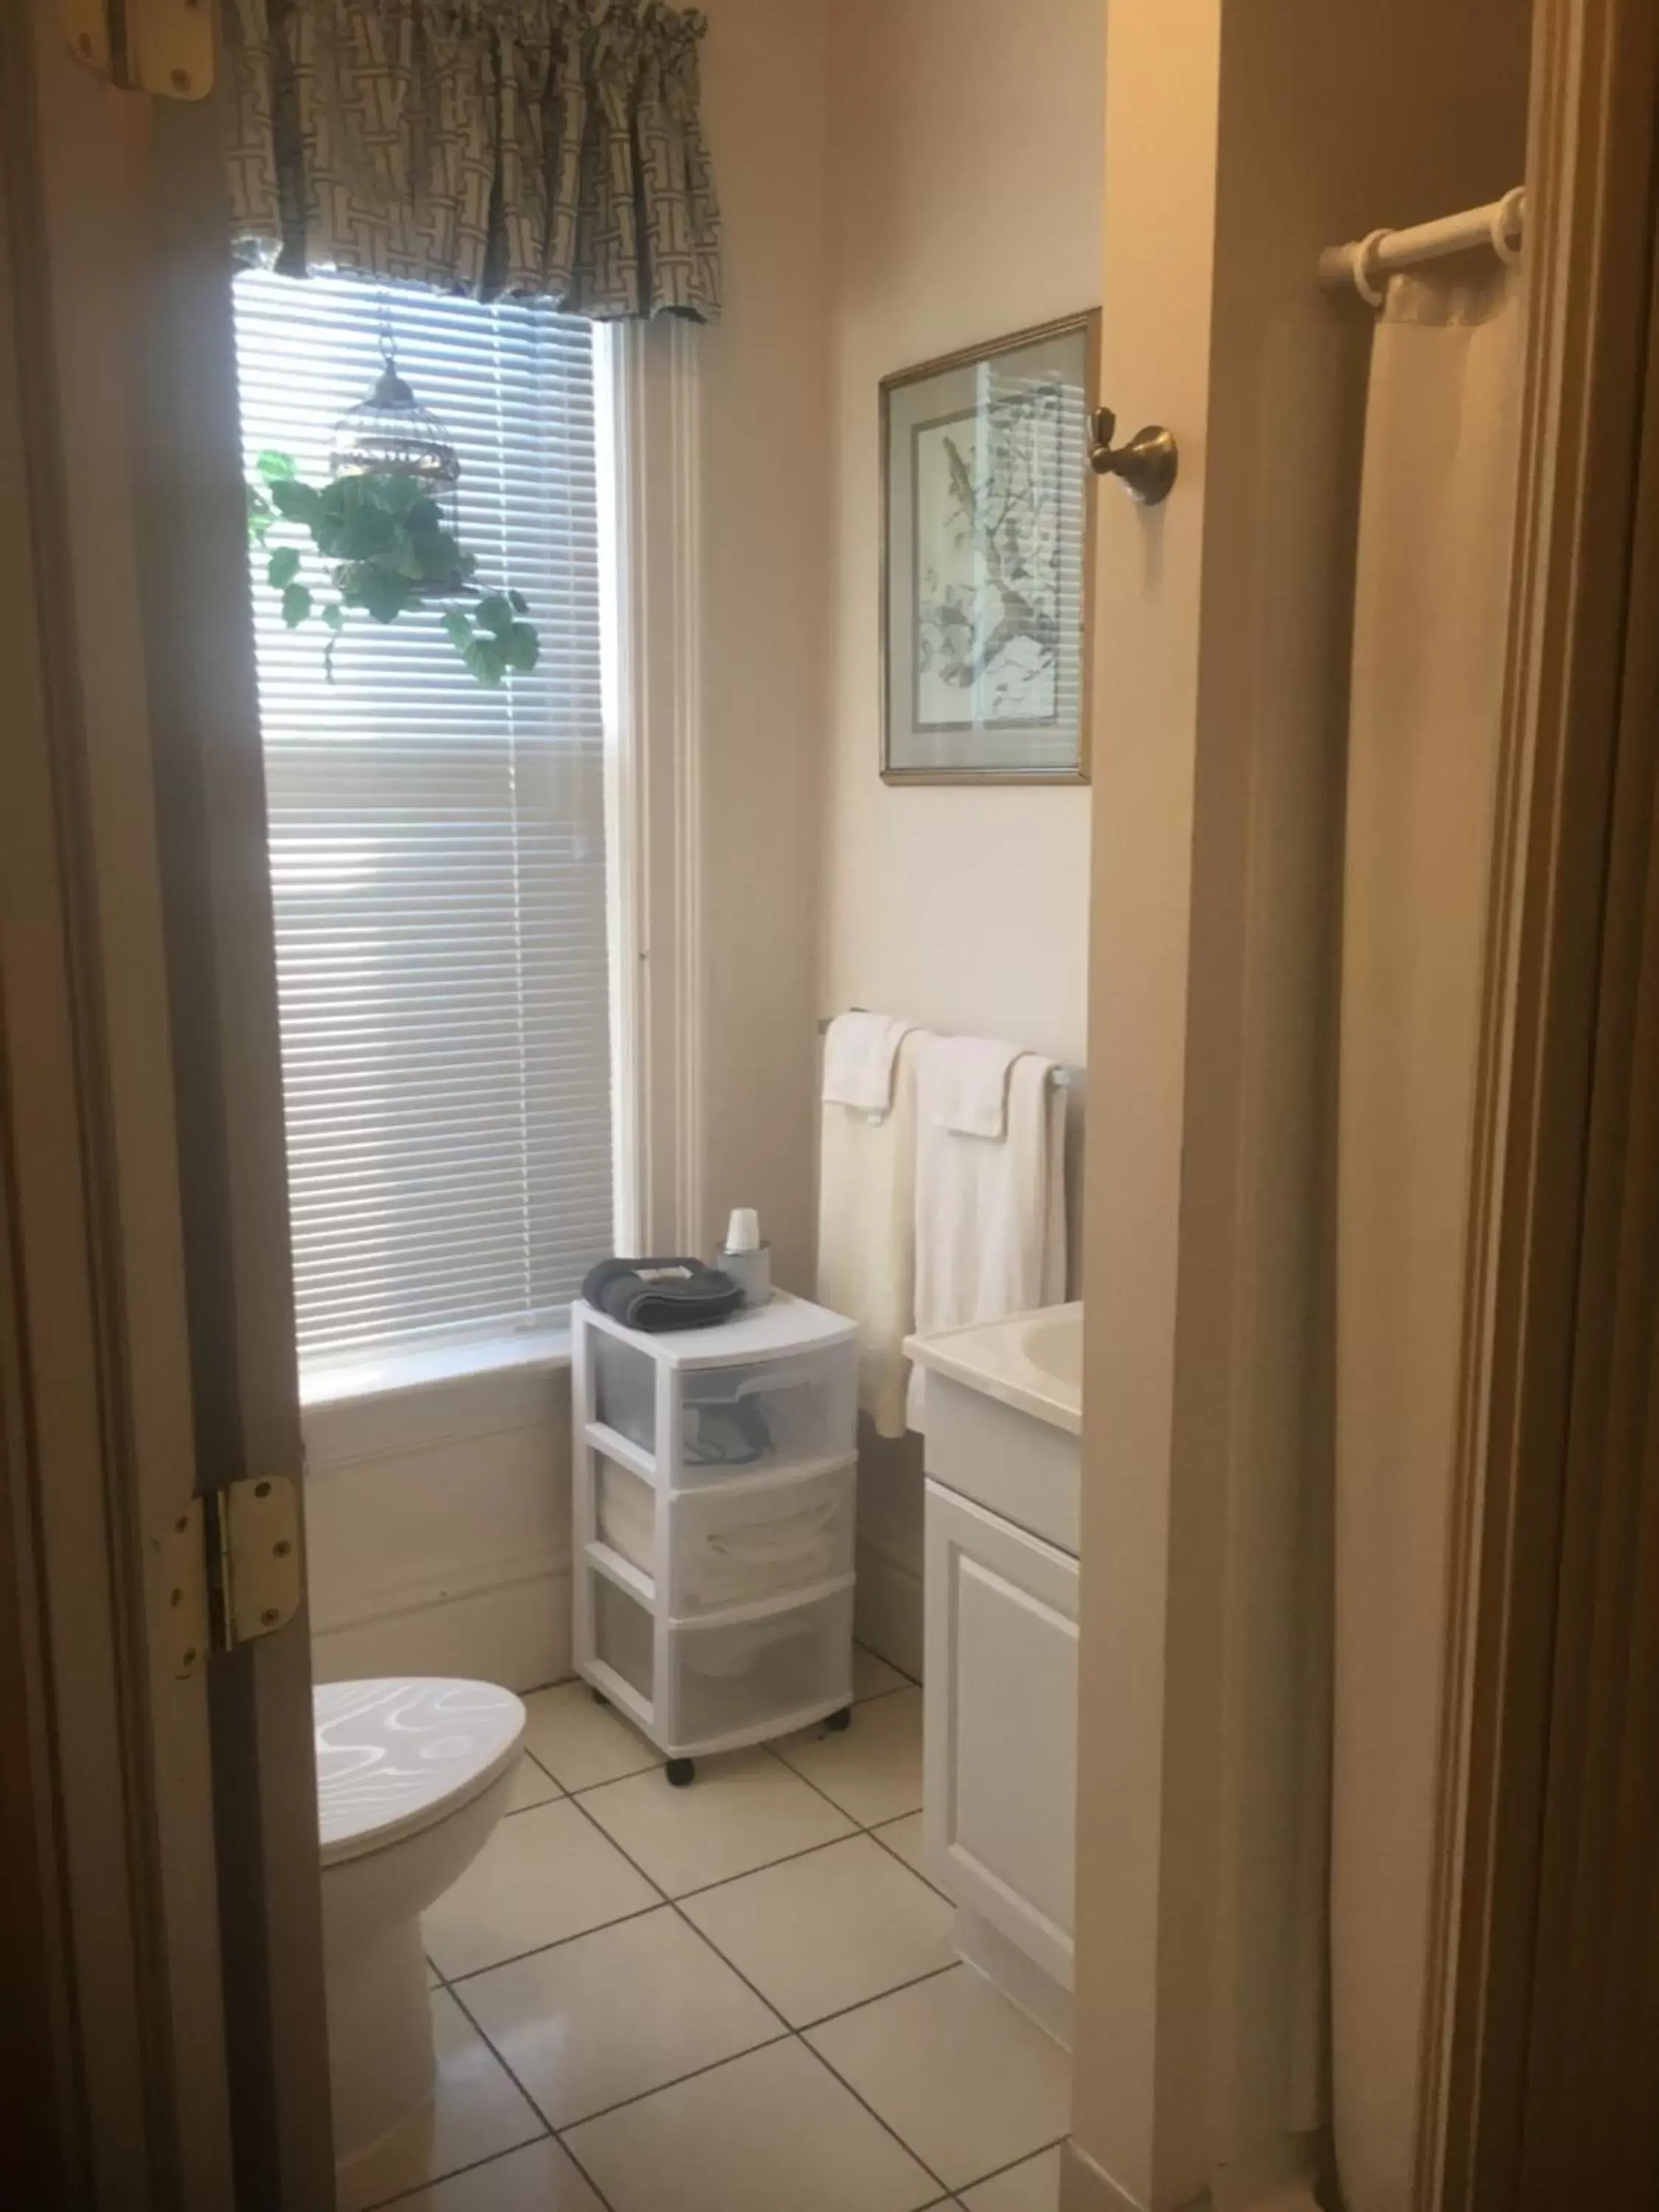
661 1294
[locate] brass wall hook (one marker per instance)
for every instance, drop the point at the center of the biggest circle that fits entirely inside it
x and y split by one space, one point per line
1145 466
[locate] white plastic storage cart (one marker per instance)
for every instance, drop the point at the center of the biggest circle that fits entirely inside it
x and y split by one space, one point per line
714 1524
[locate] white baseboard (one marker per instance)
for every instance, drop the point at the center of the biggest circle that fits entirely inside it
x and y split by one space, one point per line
1020 1980
517 1633
1282 2181
887 1608
1085 2187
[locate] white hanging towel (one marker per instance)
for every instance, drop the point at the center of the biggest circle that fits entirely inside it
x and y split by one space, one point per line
990 1212
866 1200
861 1053
968 1084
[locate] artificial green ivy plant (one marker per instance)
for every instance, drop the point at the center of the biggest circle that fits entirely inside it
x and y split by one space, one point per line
391 553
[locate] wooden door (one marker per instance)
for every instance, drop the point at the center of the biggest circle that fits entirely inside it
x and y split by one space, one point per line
146 1337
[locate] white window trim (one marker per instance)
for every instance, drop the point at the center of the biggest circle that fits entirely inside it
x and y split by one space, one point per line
654 823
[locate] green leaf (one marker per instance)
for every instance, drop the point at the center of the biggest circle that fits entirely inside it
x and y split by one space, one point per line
495 612
457 627
385 596
283 566
296 605
300 502
523 647
487 658
397 494
274 467
366 531
517 601
334 616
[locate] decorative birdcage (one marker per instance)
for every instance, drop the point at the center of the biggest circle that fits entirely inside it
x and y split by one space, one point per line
390 434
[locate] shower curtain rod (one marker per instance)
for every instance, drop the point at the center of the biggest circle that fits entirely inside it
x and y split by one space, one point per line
1367 262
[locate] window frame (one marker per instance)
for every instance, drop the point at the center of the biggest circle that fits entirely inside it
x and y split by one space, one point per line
648 407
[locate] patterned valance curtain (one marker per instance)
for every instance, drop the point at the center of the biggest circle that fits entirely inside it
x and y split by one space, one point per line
549 148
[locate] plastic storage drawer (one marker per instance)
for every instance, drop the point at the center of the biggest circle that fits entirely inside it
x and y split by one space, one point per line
737 1544
761 1676
622 1633
775 1413
741 1419
624 1389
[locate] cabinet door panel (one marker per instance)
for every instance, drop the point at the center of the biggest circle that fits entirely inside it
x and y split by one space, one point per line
1001 1715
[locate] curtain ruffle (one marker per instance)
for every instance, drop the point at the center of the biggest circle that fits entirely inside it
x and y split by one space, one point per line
544 148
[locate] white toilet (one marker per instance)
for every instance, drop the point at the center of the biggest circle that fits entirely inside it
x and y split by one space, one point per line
412 1775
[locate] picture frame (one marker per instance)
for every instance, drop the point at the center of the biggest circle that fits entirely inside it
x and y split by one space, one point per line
988 543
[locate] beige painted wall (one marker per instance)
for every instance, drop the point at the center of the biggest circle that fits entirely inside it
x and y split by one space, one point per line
964 147
966 151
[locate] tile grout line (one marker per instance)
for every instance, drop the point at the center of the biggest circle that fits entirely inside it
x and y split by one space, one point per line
482 2033
1013 2165
547 2124
558 1943
674 1904
787 2033
863 1827
790 2034
824 2018
473 2166
573 1797
564 1681
893 1852
789 1859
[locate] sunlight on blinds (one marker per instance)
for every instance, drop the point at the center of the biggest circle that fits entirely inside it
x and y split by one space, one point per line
437 849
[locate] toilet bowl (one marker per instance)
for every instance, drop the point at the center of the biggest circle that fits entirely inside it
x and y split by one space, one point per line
412 1774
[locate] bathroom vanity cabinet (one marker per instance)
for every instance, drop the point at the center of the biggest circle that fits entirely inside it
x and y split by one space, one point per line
1000 1684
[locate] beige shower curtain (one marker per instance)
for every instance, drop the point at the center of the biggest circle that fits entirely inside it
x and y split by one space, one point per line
1432 594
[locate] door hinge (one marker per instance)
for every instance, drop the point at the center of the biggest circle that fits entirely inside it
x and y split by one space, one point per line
160 46
230 1568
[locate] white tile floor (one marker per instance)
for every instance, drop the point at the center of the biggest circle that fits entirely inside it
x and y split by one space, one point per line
736 1997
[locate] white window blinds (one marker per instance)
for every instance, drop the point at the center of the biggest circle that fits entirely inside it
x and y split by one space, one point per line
437 849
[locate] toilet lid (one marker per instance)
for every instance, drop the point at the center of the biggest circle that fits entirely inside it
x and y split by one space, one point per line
395 1754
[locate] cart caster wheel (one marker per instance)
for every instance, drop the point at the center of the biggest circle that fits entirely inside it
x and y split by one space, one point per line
681 1773
598 1697
842 1721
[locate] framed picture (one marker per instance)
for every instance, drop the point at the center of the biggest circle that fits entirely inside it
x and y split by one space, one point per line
988 557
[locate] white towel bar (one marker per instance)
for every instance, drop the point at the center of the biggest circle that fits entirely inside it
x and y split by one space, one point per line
1063 1079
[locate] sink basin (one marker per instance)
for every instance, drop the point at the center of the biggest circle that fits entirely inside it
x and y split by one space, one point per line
1031 1361
1054 1344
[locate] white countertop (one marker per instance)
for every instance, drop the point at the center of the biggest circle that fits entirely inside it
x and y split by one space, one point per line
1031 1361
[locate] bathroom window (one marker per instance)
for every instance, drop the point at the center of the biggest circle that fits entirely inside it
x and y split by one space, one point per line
438 851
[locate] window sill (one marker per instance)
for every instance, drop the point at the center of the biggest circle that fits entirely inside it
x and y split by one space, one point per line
373 1408
392 1376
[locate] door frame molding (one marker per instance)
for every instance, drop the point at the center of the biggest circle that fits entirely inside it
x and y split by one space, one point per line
1549 1001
